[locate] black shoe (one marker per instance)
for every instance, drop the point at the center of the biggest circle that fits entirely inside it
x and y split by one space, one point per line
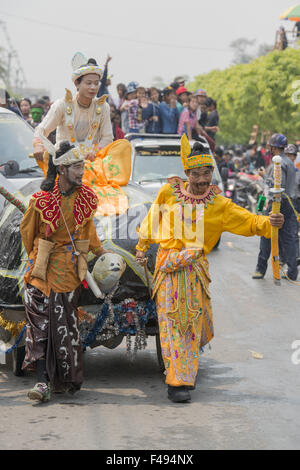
178 394
191 387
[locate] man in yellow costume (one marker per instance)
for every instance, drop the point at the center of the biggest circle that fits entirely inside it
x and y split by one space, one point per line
186 220
84 120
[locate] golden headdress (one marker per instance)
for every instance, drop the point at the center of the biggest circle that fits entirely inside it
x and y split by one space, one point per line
193 161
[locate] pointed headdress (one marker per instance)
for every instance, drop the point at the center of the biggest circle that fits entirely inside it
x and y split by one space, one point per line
190 161
81 67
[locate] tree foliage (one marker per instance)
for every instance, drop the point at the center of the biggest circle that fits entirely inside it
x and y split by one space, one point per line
265 92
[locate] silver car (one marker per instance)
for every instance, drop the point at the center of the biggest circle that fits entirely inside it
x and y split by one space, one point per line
155 158
16 168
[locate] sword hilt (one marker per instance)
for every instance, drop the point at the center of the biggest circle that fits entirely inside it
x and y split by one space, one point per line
277 190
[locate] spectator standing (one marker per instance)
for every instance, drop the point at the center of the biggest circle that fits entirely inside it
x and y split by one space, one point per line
188 118
221 163
201 97
6 102
169 112
179 81
25 105
182 96
266 155
213 118
135 95
47 105
105 81
255 159
296 29
37 112
124 108
121 90
142 101
151 112
116 122
291 152
287 242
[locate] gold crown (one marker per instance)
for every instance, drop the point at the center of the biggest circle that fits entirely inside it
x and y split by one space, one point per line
193 161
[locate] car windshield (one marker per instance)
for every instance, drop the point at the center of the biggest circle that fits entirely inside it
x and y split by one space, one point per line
158 164
15 141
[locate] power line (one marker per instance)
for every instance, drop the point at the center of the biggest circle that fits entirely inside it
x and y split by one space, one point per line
120 38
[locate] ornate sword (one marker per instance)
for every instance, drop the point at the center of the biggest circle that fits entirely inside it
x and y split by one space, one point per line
276 191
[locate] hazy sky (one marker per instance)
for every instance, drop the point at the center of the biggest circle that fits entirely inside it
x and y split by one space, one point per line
145 38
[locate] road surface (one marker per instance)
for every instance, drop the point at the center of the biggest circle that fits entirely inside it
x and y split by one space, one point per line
241 402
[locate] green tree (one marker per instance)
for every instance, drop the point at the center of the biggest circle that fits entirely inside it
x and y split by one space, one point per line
264 92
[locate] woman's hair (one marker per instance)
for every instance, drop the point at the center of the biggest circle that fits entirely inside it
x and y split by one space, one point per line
210 101
192 97
122 86
49 182
26 99
152 89
89 62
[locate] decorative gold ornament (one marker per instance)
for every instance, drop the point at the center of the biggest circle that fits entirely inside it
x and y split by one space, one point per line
13 327
102 99
68 96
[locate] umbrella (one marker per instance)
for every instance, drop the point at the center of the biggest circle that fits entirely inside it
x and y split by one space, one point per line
292 14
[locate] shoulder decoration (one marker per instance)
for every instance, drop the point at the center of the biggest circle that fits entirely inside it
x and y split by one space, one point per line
48 205
183 197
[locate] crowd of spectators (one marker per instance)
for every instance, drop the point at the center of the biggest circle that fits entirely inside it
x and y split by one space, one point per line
251 159
173 110
137 109
33 113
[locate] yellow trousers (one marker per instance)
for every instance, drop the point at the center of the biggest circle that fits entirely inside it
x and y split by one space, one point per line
185 318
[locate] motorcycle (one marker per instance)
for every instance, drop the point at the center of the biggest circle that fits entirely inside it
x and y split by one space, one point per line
249 188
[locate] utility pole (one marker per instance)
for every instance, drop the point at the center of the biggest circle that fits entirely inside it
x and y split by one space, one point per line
14 76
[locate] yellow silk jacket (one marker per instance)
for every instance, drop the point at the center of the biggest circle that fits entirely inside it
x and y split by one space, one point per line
219 215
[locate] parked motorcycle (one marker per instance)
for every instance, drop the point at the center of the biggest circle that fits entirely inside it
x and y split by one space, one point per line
248 189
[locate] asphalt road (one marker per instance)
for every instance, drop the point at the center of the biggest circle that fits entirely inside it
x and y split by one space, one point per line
241 402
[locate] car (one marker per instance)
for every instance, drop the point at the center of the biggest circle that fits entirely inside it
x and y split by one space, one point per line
156 157
16 137
21 177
